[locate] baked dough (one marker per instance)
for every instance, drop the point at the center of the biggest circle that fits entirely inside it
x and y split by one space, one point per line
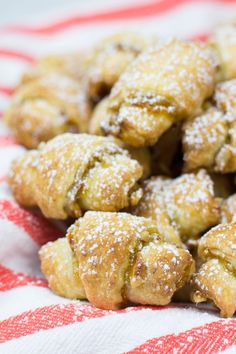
142 154
75 172
46 107
116 258
209 140
185 206
216 279
109 58
166 83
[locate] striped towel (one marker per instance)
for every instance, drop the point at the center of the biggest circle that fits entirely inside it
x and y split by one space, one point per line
32 319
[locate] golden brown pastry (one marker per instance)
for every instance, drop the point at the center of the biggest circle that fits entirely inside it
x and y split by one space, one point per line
163 153
116 258
216 279
46 107
61 269
109 58
75 172
187 204
142 155
71 64
223 40
210 139
164 84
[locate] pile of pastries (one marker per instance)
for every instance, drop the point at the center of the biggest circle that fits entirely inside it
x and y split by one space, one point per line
134 140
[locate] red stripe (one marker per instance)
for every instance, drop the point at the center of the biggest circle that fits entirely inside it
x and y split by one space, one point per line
3 179
208 339
203 37
152 8
16 55
38 228
10 279
7 140
7 90
53 316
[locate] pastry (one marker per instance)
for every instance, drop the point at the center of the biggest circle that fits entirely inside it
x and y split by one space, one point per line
142 155
46 107
60 267
187 204
209 139
109 58
115 259
216 279
76 172
166 83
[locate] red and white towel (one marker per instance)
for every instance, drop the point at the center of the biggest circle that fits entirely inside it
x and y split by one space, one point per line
32 319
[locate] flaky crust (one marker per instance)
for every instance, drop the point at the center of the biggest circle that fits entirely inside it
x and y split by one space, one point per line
46 107
60 267
209 140
187 204
203 138
142 155
109 58
21 178
74 172
166 83
152 206
216 279
120 259
219 287
220 243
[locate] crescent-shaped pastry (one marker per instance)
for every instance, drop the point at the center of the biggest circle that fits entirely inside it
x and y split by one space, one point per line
115 259
75 172
164 84
46 107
